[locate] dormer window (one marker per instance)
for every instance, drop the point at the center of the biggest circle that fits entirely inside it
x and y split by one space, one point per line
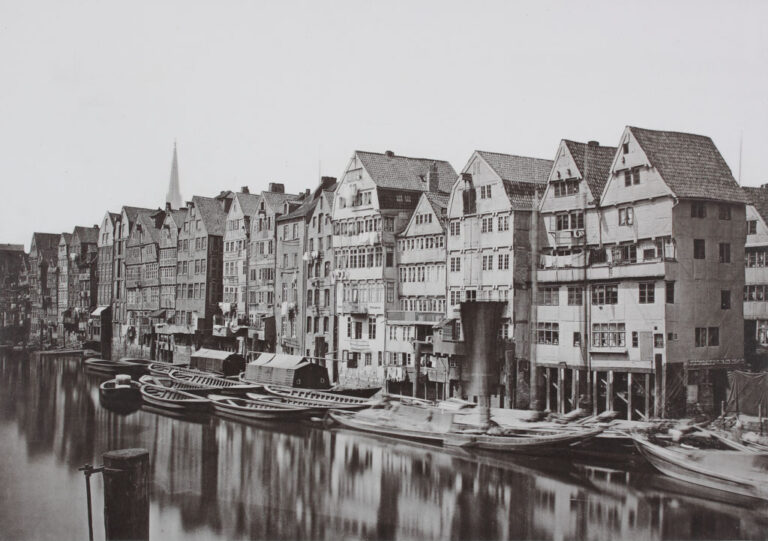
562 188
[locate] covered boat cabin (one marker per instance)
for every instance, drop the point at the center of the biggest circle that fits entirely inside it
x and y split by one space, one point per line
214 360
288 370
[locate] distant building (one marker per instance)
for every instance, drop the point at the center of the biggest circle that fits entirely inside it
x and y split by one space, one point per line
262 265
43 257
489 252
167 269
756 278
199 265
14 314
105 267
233 329
320 283
66 323
421 256
375 199
83 266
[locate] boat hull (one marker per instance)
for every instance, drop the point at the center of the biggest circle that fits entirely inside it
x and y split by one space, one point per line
675 465
347 421
251 410
172 400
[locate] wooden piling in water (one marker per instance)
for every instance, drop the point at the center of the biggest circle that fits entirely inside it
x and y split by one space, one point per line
126 494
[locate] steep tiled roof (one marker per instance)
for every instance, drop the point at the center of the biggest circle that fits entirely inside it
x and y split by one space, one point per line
518 168
47 244
150 225
178 216
439 204
521 194
405 173
249 203
303 211
758 197
113 217
275 200
329 199
86 235
132 212
212 214
594 163
11 247
690 164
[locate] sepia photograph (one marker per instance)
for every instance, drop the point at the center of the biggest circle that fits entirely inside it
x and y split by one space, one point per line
386 271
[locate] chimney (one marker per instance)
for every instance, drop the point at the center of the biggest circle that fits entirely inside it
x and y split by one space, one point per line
593 144
306 193
276 187
168 206
245 189
433 179
389 154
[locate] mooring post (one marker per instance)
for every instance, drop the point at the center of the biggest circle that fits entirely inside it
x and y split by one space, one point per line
126 494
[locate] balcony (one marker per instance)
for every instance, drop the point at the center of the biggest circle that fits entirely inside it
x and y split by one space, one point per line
354 308
415 317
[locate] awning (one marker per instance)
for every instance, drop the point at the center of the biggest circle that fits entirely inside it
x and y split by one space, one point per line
98 311
157 313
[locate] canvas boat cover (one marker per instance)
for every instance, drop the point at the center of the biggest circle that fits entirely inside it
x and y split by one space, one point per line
748 392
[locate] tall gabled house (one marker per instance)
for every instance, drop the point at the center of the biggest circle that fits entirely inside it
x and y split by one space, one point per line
665 282
756 278
489 251
374 200
43 258
84 254
273 203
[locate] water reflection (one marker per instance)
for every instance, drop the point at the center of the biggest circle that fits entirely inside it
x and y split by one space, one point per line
220 479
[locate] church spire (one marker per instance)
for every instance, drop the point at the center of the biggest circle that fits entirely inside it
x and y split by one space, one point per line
174 192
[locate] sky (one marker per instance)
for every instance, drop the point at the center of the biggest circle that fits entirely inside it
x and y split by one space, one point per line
93 94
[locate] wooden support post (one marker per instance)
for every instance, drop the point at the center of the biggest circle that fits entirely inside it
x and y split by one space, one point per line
561 390
629 396
416 368
547 376
647 396
575 394
609 391
595 389
126 494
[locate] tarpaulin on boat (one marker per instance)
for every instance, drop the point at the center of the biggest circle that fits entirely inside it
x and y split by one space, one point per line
289 370
748 392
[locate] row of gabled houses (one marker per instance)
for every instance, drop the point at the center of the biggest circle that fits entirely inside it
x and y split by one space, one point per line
621 273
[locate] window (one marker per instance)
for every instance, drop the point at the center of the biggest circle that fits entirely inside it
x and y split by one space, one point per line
632 176
751 227
647 292
547 333
725 252
358 330
485 192
455 228
575 296
455 264
724 211
670 292
635 339
698 209
503 262
725 299
486 226
576 339
605 294
626 216
503 223
707 336
607 335
562 188
699 249
658 340
625 148
488 262
549 296
471 295
371 328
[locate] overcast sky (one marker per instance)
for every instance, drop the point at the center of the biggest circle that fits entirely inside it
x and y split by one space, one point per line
93 93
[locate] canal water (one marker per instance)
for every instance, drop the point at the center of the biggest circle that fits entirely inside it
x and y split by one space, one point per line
216 479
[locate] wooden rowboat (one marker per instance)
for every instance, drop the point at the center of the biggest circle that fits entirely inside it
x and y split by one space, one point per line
336 401
734 472
205 379
111 368
119 393
315 406
249 410
171 399
163 369
533 442
164 381
353 421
